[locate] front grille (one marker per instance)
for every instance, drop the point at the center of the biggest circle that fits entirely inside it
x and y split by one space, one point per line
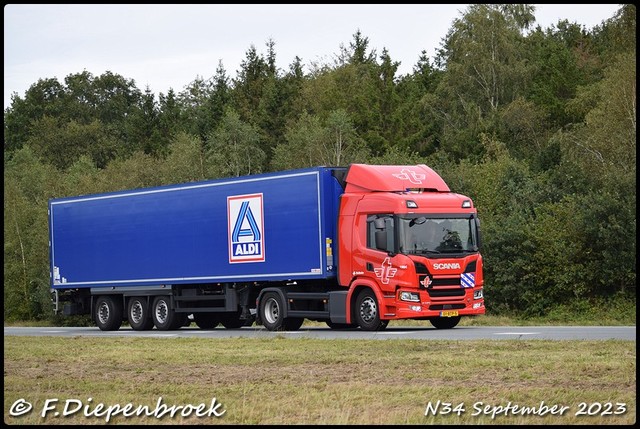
440 282
436 293
445 282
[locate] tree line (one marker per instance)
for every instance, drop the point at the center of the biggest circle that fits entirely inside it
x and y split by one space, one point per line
537 125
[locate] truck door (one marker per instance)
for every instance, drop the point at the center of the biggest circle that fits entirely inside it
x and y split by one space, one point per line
381 244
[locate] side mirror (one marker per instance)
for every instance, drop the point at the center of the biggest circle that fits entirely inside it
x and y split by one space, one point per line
417 221
381 240
478 232
379 223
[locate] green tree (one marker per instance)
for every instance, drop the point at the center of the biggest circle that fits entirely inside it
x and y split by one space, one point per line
144 128
562 59
302 145
418 129
342 145
234 148
193 103
185 161
28 184
248 86
352 84
61 144
486 69
44 98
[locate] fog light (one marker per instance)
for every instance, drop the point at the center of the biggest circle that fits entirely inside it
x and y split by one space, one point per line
477 294
477 305
415 307
409 296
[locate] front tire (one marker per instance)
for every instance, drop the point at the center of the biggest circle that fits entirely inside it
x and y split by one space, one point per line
138 314
445 322
108 313
368 312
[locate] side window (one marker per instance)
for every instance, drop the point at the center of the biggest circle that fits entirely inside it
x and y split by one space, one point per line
380 233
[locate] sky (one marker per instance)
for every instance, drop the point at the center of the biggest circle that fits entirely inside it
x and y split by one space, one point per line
169 46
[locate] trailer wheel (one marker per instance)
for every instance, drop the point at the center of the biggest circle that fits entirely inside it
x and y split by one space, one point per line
445 322
292 323
232 320
206 320
271 309
138 314
108 313
164 317
368 312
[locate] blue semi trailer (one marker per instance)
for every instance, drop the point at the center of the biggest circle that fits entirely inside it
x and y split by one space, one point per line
256 248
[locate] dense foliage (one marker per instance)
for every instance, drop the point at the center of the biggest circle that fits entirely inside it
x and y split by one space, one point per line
537 125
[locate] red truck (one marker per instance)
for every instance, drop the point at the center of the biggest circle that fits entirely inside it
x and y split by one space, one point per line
353 247
408 248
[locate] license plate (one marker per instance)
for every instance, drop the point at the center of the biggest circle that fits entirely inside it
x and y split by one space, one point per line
449 313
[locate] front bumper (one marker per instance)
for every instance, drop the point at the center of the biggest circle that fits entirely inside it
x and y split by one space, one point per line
427 306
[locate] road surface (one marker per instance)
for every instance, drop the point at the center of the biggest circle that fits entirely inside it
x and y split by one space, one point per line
392 332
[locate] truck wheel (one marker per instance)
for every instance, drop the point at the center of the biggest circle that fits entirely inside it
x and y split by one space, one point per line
138 314
164 317
108 313
292 323
271 308
368 312
445 322
182 320
232 320
206 320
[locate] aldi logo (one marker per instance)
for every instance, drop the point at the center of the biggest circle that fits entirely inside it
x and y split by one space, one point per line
245 217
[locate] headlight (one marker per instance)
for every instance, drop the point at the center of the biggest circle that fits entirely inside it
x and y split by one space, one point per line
477 294
409 296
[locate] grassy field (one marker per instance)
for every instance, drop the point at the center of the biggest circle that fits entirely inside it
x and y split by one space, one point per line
310 381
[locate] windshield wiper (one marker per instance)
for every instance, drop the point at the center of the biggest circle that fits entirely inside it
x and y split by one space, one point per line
427 251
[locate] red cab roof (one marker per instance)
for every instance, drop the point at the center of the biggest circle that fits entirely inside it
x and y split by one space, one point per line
393 178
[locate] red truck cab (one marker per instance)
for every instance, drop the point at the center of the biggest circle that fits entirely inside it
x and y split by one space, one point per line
408 248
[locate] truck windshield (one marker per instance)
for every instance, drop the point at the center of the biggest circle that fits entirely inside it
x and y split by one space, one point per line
420 235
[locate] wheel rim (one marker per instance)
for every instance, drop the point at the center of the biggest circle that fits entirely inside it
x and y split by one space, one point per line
103 313
161 312
368 310
136 312
271 311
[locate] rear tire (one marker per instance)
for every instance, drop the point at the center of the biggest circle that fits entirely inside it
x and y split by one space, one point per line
232 320
292 323
445 322
108 313
164 317
138 314
206 320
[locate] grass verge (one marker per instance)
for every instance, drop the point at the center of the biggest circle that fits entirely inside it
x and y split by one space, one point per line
311 381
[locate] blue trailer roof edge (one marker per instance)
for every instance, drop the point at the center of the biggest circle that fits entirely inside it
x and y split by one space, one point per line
194 184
